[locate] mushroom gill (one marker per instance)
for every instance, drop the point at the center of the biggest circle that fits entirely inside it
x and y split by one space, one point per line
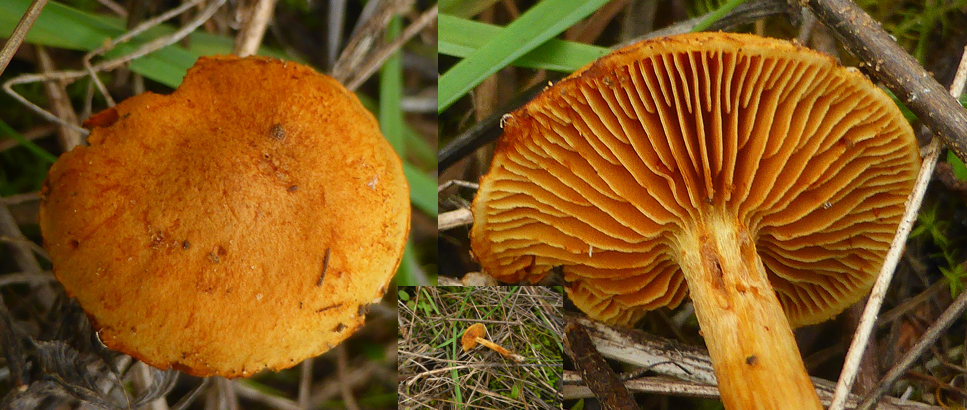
689 158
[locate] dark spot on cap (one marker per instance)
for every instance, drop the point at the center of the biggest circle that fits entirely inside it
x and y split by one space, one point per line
329 308
752 360
73 244
293 188
278 132
339 328
185 245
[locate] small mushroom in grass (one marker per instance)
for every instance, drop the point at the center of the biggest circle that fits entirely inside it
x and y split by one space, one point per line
477 334
181 233
758 176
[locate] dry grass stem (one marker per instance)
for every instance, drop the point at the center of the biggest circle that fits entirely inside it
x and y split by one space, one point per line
382 54
455 218
20 32
253 28
347 394
248 392
872 310
91 70
434 370
305 382
369 31
59 102
689 366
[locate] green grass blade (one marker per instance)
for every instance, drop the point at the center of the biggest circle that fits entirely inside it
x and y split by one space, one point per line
716 15
391 94
464 8
422 190
539 24
34 148
405 275
461 38
424 152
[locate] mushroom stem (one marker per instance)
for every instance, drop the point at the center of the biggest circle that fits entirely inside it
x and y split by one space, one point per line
499 349
753 350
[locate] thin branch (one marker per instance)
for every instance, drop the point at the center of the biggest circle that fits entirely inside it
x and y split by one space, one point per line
305 382
345 387
60 104
929 337
376 17
603 382
250 37
145 49
685 362
868 320
385 53
20 32
574 388
247 391
454 219
889 63
947 318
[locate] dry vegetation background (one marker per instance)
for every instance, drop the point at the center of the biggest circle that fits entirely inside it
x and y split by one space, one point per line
434 371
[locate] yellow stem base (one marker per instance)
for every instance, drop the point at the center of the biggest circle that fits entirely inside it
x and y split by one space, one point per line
753 350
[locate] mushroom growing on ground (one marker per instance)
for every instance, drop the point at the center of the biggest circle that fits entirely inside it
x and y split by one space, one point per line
477 333
762 175
244 222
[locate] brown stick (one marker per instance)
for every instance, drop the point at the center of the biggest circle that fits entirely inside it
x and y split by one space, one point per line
604 384
890 64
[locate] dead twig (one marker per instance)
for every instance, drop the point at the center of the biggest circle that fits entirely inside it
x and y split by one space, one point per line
868 320
602 381
253 29
385 53
890 64
20 32
454 219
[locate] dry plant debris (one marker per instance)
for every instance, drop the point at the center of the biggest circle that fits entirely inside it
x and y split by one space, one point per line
436 373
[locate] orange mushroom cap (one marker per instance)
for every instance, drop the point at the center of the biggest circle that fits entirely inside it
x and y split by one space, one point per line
469 340
602 173
243 222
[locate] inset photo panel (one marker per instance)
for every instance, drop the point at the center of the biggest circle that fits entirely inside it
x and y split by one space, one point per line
483 347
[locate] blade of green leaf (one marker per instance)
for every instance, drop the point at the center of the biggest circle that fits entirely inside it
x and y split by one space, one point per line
539 24
422 190
716 15
957 166
405 275
34 148
416 145
464 8
391 93
460 38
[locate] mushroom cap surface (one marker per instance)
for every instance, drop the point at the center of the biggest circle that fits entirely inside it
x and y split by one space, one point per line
195 228
470 335
600 175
